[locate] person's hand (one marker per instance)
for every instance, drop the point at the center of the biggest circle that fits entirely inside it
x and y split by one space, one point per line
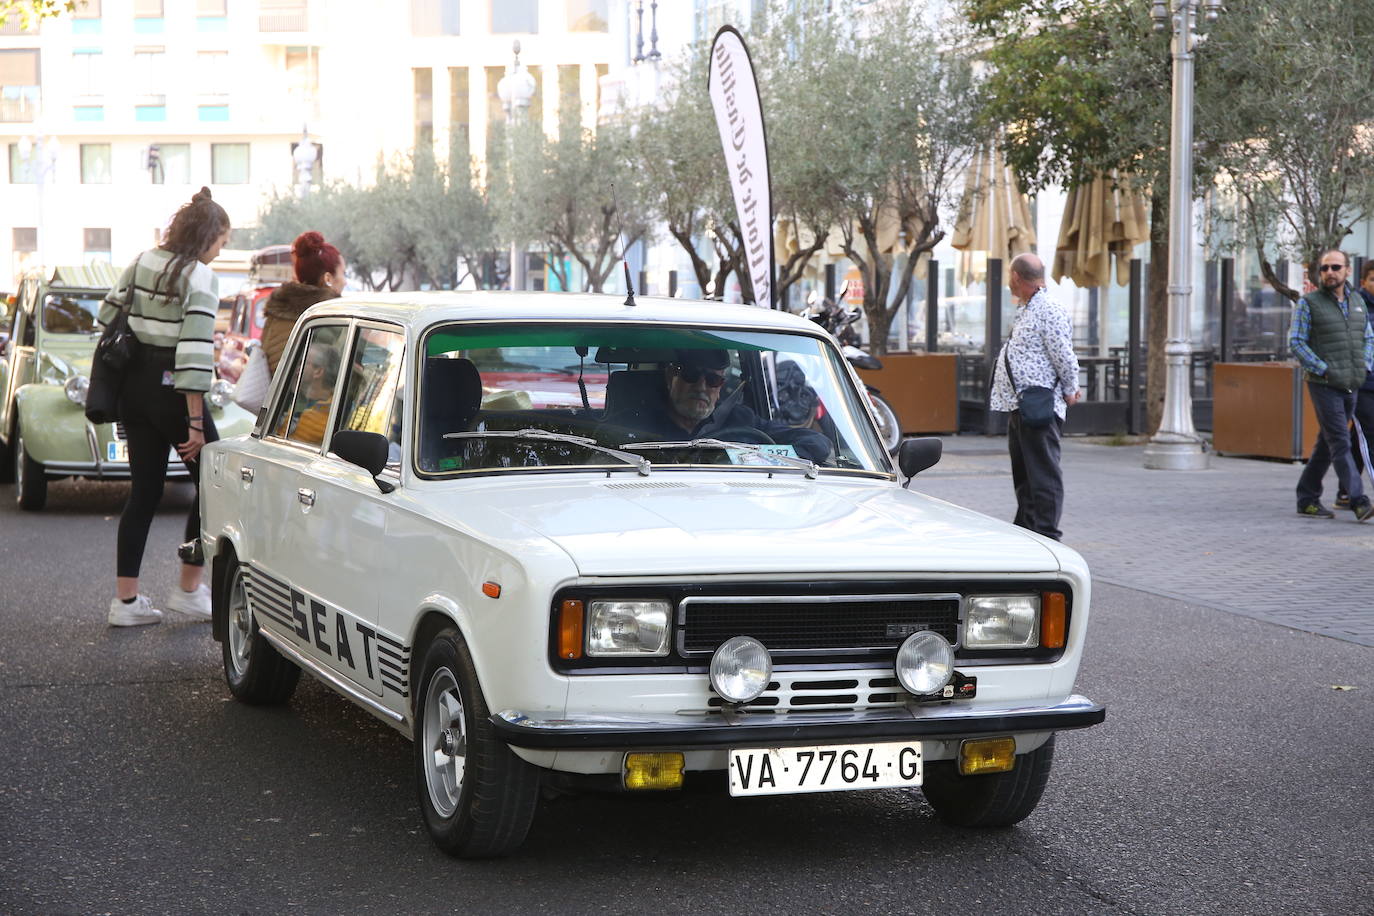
1073 398
189 449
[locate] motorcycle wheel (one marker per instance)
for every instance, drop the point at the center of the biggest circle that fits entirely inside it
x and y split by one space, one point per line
888 427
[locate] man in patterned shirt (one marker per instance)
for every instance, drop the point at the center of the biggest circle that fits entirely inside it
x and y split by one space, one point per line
1040 350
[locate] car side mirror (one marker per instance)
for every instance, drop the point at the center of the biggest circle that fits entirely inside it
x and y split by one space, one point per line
916 455
367 450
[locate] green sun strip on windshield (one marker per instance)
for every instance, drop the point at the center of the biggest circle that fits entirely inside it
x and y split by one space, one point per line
610 344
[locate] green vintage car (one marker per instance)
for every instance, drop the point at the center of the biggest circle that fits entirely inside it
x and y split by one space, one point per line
44 369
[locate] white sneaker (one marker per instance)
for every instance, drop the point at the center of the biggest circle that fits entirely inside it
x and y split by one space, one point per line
193 604
136 614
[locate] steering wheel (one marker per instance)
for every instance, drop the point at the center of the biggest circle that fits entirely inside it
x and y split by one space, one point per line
744 434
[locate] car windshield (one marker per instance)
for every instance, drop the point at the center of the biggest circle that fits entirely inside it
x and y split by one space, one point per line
637 397
71 313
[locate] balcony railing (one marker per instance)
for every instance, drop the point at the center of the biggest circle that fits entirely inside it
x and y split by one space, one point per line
20 109
283 17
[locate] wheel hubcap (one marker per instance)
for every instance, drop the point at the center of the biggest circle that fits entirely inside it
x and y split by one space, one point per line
444 742
240 627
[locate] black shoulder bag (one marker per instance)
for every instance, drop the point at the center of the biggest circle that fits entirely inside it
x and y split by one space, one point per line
1036 403
115 350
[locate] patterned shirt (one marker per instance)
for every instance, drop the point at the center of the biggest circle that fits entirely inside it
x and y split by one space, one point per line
1040 350
182 315
1300 334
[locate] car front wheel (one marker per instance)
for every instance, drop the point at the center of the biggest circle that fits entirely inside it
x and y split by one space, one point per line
30 481
255 671
477 797
995 800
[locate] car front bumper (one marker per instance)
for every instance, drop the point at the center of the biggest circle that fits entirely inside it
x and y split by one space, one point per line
717 731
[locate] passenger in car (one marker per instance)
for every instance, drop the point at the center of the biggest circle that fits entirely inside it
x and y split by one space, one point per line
317 397
688 405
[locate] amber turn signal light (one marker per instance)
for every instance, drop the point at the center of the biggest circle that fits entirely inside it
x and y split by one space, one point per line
491 589
987 755
1053 620
653 771
570 629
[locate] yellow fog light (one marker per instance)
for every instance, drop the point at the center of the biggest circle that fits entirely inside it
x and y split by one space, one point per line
987 755
653 771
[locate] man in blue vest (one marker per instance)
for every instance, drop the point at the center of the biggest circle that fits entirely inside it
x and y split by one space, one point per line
1333 341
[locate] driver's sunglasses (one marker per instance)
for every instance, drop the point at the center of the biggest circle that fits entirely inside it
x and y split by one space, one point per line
693 374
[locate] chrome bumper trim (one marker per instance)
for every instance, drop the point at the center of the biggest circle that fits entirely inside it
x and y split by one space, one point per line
945 720
106 470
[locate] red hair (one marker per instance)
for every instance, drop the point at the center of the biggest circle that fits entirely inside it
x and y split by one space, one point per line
313 257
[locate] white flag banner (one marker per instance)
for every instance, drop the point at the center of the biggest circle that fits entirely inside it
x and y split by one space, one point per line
739 118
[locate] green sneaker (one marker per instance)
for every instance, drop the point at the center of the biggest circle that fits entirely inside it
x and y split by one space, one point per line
1364 510
1317 510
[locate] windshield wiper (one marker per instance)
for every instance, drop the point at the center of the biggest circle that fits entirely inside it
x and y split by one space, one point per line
640 463
800 463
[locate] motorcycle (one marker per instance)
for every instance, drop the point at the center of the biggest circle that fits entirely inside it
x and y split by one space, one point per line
839 322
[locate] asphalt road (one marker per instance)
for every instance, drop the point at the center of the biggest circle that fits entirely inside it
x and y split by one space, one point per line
1231 776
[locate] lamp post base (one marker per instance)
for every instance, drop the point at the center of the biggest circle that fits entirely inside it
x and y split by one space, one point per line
1172 452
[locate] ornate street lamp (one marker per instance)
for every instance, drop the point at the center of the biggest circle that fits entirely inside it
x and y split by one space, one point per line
1176 446
516 90
40 154
304 158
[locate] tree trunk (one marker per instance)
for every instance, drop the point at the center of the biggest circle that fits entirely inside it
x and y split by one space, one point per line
1157 314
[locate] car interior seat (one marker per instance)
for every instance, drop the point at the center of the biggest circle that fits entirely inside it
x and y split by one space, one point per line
451 400
631 392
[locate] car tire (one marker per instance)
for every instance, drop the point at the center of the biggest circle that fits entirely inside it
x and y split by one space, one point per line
889 427
30 480
477 797
255 671
995 800
7 460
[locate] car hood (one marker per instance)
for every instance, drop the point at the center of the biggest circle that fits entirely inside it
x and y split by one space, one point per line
619 527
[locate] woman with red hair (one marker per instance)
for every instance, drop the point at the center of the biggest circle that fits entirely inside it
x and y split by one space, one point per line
319 272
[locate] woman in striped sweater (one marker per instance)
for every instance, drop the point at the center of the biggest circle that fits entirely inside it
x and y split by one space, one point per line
170 292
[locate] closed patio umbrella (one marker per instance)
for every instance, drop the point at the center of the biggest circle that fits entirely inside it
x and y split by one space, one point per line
994 217
1104 220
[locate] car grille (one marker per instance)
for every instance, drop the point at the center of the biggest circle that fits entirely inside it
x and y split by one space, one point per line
814 692
815 625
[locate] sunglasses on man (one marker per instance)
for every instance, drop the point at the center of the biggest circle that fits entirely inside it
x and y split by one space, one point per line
1326 267
693 374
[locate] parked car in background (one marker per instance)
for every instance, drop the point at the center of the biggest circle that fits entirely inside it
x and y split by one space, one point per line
464 513
269 268
44 370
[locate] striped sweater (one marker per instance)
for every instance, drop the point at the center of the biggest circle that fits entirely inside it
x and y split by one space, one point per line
181 316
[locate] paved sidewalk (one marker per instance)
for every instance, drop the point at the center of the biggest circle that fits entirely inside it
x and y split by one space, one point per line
1228 537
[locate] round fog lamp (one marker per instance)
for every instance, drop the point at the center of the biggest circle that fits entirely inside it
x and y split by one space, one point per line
220 392
76 388
925 663
741 669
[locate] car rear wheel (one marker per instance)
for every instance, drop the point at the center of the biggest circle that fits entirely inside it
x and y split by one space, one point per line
996 800
477 797
255 671
30 481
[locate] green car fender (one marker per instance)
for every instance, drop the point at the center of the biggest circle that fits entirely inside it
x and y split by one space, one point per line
54 429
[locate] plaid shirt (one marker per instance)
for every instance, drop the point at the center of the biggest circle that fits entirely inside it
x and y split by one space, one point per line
1301 331
1040 350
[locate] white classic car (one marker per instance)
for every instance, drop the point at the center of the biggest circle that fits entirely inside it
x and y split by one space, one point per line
562 539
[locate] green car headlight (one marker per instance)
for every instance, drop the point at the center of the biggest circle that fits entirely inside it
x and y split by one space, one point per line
1001 622
76 388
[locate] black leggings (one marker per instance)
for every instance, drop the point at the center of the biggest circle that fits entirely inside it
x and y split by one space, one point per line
154 418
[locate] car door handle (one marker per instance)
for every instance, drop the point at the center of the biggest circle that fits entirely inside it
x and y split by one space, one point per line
305 497
246 475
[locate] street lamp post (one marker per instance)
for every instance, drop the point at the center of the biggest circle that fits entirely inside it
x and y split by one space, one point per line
304 158
1176 446
40 153
516 90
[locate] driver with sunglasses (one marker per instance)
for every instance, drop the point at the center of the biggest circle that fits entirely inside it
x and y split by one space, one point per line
691 408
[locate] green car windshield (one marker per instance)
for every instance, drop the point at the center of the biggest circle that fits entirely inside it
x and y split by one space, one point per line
521 397
71 313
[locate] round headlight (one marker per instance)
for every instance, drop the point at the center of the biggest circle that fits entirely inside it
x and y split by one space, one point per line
76 388
741 669
220 392
925 663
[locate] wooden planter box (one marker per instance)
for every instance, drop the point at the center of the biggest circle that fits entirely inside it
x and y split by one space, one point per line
922 388
1262 409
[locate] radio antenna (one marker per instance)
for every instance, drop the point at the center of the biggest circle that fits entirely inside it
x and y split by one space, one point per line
630 297
624 260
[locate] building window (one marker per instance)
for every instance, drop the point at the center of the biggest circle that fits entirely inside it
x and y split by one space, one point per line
88 72
96 244
514 16
281 15
147 16
19 84
212 15
303 80
150 77
212 112
212 72
587 16
150 113
496 113
424 106
88 112
22 170
170 163
229 163
212 7
459 118
434 17
95 163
